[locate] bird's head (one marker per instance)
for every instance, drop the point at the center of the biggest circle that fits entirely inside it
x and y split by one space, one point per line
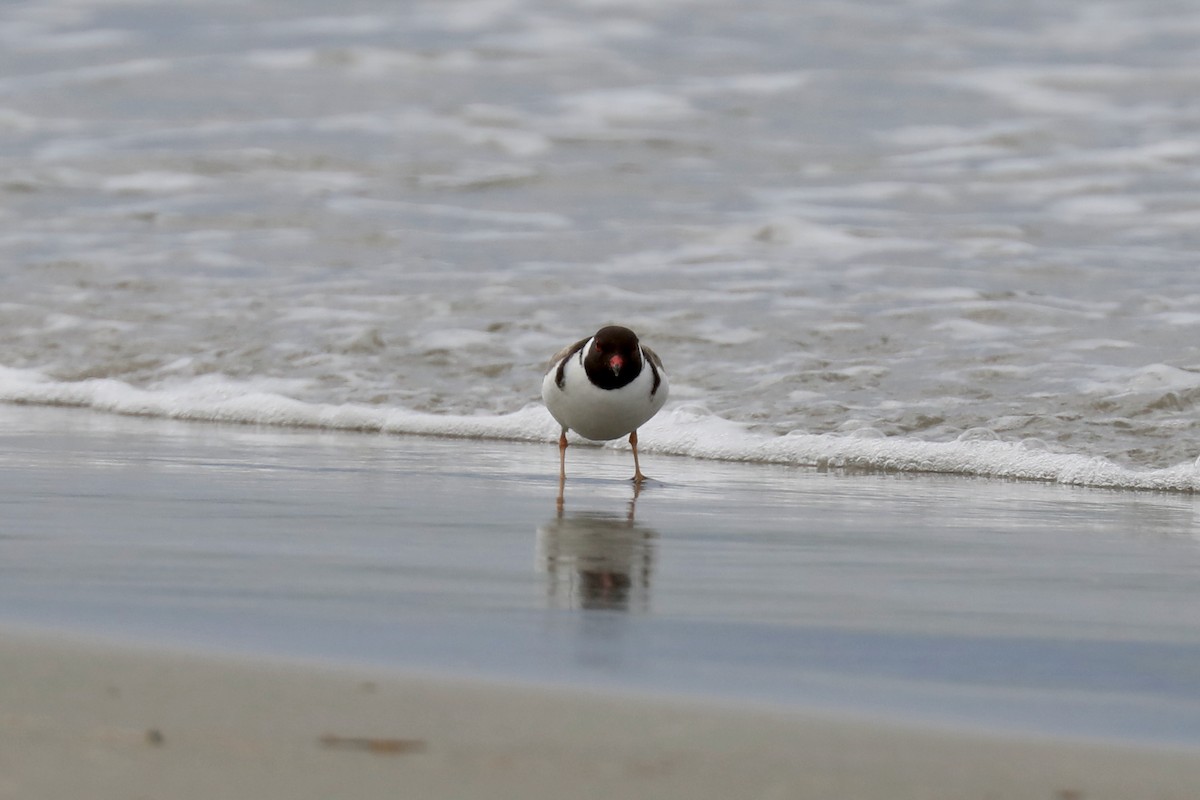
615 350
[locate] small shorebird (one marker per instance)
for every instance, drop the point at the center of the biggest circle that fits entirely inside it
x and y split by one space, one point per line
604 387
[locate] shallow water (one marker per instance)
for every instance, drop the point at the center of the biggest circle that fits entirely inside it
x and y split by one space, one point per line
916 220
983 603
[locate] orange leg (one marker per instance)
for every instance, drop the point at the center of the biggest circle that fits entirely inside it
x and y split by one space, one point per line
562 467
638 477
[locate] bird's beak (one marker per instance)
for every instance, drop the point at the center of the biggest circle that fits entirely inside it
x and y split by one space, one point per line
615 363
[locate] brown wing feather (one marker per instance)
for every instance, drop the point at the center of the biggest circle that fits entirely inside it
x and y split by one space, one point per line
561 357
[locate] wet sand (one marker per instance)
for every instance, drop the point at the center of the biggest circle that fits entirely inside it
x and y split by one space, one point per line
200 610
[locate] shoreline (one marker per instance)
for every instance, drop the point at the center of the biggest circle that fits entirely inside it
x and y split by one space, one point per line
678 432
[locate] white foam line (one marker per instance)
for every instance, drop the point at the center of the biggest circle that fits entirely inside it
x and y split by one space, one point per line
1008 460
679 432
228 403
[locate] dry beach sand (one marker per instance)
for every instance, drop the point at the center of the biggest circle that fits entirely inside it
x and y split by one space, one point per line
87 719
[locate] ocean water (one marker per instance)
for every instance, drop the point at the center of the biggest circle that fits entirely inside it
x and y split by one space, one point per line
926 235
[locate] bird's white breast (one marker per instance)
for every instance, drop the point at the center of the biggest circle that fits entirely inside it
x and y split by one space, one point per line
602 414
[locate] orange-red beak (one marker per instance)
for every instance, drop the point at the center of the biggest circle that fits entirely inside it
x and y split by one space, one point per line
615 363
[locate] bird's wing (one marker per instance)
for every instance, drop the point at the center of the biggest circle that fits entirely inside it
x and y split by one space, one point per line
654 359
656 366
560 358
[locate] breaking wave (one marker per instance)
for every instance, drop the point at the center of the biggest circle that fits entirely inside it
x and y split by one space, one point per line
687 431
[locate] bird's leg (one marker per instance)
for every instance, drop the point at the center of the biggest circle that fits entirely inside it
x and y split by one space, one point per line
562 467
638 477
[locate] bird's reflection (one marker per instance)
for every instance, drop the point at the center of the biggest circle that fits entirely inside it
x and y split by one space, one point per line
595 560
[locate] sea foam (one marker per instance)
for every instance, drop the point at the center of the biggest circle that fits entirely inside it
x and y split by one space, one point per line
683 431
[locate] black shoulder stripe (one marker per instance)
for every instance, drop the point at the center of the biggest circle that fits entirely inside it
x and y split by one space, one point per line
652 359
